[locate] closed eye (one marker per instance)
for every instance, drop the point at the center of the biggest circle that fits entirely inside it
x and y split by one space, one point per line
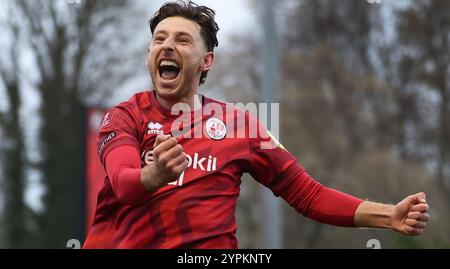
184 41
158 39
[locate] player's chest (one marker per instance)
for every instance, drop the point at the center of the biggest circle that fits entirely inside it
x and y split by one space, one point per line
208 148
206 140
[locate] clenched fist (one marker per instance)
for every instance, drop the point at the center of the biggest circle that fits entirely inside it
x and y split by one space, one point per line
169 161
411 215
408 217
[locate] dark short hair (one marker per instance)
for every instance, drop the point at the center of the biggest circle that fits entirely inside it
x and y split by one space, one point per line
202 15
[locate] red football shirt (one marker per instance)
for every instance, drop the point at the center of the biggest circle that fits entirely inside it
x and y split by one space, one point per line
197 210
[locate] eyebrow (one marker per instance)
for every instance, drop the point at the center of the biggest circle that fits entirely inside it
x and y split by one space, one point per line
179 33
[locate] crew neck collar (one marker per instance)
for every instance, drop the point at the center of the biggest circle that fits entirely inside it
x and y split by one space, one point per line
167 112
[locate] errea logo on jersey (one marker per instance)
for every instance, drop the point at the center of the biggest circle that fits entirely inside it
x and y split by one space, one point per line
154 128
206 164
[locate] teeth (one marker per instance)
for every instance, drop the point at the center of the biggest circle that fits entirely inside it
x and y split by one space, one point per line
168 63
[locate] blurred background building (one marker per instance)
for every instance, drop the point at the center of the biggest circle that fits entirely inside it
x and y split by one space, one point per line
364 92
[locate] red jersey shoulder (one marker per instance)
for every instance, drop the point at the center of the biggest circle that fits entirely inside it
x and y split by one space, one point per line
122 123
128 112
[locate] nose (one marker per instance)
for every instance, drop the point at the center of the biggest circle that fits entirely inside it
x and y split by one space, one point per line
168 44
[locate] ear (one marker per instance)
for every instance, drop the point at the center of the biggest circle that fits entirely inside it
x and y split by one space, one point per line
147 56
207 61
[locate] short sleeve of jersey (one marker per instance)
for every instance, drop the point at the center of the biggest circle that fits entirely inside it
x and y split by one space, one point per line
270 163
119 127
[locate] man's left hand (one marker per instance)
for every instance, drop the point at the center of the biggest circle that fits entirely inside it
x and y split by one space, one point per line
410 216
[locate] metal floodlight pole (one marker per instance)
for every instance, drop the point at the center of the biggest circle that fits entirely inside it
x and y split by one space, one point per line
271 224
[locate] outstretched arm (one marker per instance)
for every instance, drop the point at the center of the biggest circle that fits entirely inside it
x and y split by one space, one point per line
408 217
310 198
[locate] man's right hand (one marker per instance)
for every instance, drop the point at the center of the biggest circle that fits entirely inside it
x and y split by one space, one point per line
169 161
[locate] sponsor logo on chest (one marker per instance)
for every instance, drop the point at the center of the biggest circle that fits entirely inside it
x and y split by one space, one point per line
195 162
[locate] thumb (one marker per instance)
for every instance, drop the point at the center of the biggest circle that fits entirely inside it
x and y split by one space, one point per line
422 197
418 198
160 139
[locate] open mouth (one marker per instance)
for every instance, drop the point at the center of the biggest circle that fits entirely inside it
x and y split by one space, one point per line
168 69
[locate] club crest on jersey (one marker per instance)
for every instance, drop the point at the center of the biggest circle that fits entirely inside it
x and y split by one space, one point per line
215 128
155 128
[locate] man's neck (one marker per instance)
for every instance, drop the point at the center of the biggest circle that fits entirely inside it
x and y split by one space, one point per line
193 101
